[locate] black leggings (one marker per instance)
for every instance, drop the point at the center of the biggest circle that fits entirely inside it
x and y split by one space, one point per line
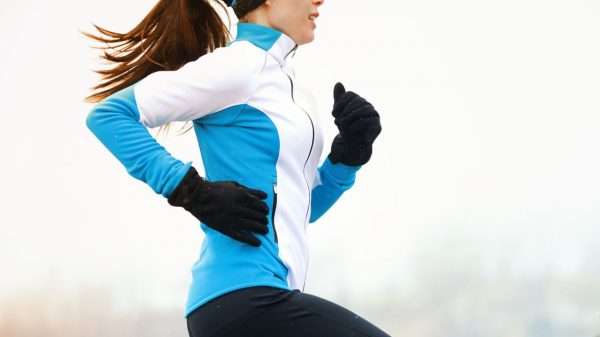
273 312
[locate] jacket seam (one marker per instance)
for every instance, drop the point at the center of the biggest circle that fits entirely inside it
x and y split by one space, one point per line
245 102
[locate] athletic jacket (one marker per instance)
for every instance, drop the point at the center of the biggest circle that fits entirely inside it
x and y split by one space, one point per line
254 125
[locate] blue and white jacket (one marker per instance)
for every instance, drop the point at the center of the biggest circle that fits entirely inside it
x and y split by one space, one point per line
254 125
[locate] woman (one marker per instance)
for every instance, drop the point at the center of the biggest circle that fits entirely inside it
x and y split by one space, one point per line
260 147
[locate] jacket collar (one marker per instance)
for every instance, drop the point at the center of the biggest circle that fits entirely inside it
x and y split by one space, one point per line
273 41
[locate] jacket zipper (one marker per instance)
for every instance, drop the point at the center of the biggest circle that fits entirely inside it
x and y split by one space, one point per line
273 212
307 158
311 145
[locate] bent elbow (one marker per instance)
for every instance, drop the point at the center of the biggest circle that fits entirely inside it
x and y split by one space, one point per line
91 121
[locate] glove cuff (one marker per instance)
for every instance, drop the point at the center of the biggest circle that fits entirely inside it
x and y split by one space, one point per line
188 189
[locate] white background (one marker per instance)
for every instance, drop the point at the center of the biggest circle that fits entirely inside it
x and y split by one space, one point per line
481 199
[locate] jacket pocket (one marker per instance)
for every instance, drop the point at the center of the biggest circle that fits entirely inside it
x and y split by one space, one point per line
273 210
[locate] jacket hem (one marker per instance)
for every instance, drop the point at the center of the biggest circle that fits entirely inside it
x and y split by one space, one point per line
204 300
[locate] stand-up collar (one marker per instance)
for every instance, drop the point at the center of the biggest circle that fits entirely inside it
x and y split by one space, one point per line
269 39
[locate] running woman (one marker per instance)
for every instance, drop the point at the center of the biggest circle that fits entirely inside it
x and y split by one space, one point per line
260 141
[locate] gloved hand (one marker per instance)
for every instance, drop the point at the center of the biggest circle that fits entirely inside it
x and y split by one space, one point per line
225 206
359 125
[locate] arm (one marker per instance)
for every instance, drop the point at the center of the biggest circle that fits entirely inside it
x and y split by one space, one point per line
115 122
359 125
196 91
332 181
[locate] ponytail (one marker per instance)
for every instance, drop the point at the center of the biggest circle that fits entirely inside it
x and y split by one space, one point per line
172 34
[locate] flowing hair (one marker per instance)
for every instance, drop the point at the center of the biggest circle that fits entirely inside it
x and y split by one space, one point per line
172 34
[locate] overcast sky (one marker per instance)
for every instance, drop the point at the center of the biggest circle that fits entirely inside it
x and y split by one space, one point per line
489 151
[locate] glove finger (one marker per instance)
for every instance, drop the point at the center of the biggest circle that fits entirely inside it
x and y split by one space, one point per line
242 236
361 114
338 91
257 205
340 104
254 226
370 123
257 193
352 105
363 111
232 182
253 215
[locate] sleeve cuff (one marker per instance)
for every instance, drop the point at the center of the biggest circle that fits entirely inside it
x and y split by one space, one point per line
339 174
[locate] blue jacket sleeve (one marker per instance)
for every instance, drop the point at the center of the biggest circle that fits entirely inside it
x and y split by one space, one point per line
334 180
115 121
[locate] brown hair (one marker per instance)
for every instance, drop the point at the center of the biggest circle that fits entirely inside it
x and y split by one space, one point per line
172 34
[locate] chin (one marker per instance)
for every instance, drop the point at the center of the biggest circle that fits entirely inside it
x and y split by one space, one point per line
308 38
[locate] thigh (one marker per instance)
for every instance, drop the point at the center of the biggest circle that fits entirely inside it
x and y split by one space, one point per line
229 311
306 315
279 313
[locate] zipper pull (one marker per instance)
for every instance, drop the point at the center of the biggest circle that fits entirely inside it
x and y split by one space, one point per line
275 188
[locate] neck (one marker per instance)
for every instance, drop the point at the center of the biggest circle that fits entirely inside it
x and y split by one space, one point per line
258 15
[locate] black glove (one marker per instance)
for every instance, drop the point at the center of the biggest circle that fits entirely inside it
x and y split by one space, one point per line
225 206
359 125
